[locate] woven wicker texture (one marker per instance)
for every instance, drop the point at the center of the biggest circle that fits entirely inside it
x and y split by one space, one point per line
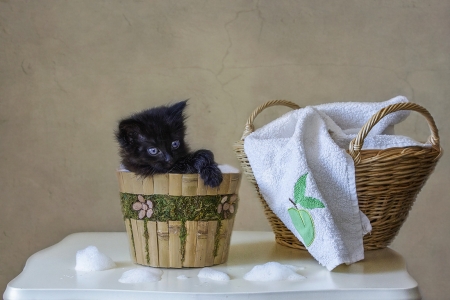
387 181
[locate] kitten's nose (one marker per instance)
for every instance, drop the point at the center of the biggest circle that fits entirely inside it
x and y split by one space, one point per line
168 158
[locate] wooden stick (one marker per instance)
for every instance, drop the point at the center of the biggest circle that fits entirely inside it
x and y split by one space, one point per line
163 244
153 243
222 237
212 228
136 185
127 182
226 248
141 229
130 239
174 244
189 184
202 243
175 183
191 241
211 190
225 185
201 188
235 179
137 241
161 184
147 186
119 181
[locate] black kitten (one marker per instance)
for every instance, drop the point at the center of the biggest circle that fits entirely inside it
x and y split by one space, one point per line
152 142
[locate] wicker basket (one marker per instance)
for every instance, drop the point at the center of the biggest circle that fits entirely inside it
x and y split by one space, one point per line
175 221
387 181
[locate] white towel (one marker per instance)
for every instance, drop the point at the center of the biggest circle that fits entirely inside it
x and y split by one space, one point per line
308 180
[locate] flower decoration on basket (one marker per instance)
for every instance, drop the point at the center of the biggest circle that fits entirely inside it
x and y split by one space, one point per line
144 207
226 205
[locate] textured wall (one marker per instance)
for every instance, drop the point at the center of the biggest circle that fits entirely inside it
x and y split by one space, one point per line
70 69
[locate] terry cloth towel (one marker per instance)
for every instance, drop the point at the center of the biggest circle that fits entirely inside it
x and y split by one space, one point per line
308 180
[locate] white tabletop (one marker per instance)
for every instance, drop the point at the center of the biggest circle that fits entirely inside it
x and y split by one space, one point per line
50 274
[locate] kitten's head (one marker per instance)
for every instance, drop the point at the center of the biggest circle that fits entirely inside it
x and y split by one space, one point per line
153 137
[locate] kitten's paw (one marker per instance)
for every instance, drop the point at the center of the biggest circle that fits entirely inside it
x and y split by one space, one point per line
211 175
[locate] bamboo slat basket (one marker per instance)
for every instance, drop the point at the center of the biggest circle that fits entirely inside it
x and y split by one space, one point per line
387 181
175 221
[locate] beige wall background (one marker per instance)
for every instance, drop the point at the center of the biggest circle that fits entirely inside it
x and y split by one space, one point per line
70 69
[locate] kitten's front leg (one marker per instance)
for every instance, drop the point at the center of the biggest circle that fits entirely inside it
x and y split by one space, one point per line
207 168
201 162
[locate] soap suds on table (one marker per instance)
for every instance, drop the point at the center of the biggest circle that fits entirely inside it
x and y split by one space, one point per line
90 259
273 271
210 273
141 275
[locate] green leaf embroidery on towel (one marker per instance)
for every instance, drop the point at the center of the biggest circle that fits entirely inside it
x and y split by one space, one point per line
301 218
304 224
300 198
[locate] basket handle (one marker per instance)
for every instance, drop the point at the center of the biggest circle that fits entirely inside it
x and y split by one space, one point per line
249 128
357 143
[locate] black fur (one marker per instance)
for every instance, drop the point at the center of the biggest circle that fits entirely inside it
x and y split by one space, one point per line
160 128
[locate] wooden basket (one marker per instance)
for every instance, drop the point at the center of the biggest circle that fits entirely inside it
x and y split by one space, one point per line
387 181
175 221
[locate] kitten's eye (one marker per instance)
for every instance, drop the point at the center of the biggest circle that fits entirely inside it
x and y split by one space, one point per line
153 151
175 144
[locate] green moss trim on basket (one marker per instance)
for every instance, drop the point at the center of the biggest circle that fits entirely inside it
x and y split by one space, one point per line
183 235
178 208
146 236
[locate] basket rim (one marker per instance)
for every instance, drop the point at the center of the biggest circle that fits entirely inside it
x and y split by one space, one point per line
355 146
176 184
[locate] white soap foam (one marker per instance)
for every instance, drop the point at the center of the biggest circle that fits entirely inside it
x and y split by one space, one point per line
182 277
141 275
273 271
210 273
228 169
90 259
122 168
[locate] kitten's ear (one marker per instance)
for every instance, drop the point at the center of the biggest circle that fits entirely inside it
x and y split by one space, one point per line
178 108
129 132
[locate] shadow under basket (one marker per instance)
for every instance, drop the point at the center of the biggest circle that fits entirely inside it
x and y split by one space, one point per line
387 181
175 221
